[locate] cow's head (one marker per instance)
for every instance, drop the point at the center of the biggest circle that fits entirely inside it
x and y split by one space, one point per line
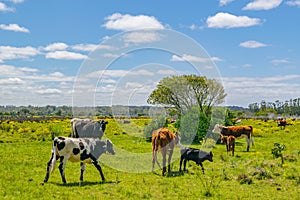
223 138
217 129
102 124
109 147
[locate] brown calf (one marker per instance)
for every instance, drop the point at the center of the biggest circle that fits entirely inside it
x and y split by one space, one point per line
164 140
230 143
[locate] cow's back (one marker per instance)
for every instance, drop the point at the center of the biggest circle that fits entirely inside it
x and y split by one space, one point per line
88 130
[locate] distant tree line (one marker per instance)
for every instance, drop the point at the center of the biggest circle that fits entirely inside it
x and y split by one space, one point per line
289 107
67 111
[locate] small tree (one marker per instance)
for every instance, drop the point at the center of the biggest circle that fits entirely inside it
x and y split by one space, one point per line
277 151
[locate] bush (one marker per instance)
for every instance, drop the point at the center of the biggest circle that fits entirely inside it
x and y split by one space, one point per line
192 126
155 124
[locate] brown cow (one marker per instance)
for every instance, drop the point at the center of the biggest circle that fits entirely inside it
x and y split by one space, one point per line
230 143
164 140
282 122
236 131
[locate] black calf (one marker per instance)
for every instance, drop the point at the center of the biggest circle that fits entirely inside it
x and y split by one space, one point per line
195 155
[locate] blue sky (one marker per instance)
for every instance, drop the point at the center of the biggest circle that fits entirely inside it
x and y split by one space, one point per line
45 47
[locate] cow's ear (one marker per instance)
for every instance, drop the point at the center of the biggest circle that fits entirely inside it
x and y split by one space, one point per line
105 122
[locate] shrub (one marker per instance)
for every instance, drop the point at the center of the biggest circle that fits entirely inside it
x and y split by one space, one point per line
156 123
277 151
192 126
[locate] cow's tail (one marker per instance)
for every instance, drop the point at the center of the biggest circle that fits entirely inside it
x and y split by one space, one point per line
251 135
53 161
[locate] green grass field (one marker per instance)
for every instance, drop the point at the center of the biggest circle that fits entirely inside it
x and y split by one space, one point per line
25 149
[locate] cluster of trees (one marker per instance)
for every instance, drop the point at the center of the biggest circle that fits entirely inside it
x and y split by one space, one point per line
289 107
192 98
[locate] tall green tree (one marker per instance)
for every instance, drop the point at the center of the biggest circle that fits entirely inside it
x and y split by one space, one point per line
186 91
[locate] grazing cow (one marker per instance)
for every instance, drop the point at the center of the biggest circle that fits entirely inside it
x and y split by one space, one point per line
230 143
89 129
84 150
74 121
282 123
163 139
195 155
236 131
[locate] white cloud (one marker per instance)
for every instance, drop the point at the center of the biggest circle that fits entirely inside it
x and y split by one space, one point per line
166 72
279 61
14 27
224 2
293 3
5 8
192 27
57 74
226 20
84 47
27 69
11 81
65 55
58 46
262 4
49 91
252 44
16 1
190 58
244 90
141 37
27 86
128 22
111 55
9 52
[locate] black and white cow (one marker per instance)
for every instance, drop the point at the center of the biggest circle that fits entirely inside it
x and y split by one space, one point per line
88 129
84 150
195 155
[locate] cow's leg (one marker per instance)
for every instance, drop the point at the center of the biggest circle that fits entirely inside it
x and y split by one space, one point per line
61 167
153 159
248 143
170 159
181 159
48 169
97 165
201 167
82 168
164 154
184 164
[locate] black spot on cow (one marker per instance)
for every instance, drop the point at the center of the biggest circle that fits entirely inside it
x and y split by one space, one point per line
76 151
81 145
84 155
61 138
61 145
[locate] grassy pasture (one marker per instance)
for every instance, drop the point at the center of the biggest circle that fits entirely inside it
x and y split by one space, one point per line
25 148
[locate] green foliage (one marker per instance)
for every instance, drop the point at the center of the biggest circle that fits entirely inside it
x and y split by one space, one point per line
277 151
229 118
209 182
155 123
192 126
186 91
